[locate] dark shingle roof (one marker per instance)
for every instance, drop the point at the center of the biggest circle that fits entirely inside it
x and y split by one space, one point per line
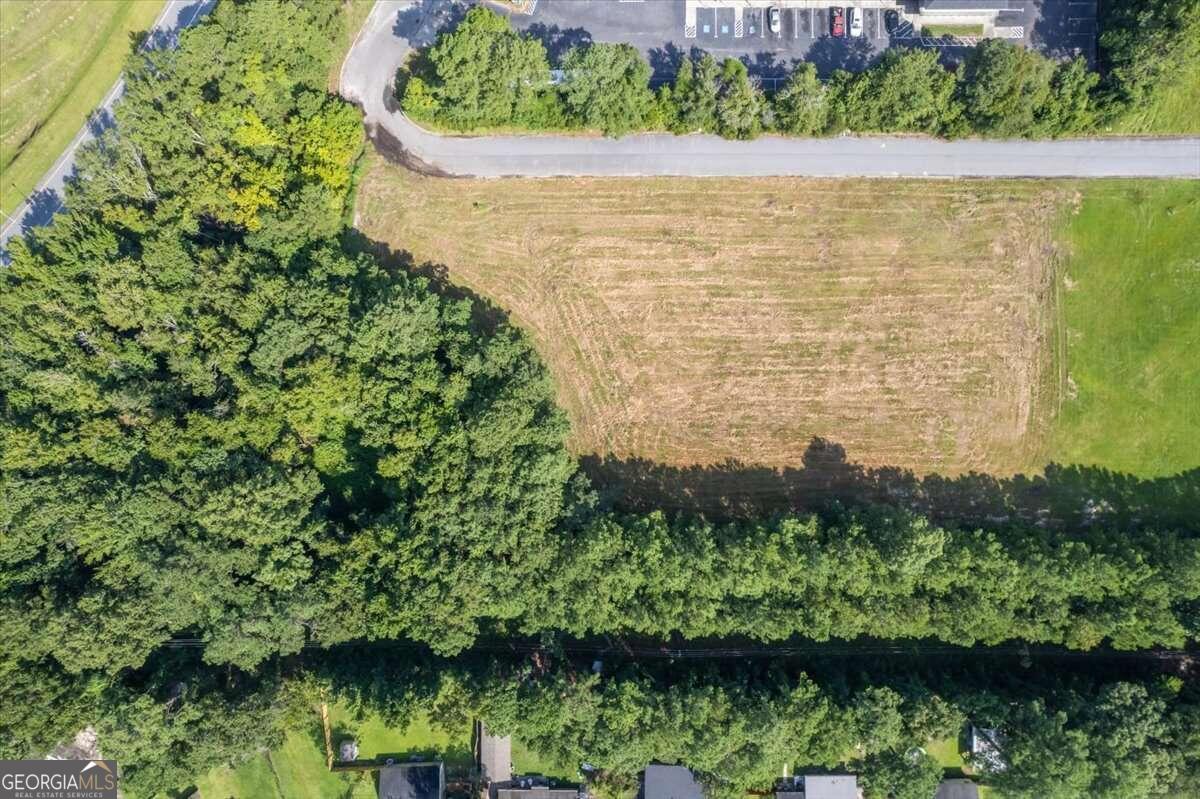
412 781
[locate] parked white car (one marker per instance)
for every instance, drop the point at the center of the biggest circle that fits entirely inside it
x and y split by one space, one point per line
855 18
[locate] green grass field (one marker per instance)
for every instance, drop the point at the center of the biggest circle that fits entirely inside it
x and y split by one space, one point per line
58 58
527 761
296 770
1130 294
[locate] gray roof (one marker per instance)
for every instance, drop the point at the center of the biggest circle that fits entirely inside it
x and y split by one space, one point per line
412 781
957 789
495 756
830 786
671 782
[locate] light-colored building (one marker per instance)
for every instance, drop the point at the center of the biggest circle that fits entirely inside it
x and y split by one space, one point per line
819 786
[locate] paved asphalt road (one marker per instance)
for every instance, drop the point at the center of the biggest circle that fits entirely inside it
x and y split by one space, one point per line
47 198
396 26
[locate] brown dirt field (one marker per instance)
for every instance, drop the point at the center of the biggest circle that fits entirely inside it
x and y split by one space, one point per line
699 321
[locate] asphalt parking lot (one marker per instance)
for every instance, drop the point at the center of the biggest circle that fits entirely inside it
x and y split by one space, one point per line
662 30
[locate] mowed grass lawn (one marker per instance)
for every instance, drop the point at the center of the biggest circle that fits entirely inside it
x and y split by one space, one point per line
694 321
1131 307
296 770
58 58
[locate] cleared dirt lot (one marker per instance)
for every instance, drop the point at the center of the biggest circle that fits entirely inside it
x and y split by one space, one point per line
696 321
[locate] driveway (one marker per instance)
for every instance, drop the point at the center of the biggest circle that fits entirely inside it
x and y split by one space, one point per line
47 198
395 26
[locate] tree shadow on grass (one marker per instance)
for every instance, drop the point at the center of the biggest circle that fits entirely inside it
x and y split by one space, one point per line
1062 497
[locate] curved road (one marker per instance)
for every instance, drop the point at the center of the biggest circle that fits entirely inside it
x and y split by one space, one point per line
47 199
396 26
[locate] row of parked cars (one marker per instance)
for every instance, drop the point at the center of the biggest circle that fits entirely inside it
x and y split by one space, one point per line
839 19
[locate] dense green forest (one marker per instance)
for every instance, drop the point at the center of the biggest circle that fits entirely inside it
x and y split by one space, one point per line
224 416
483 74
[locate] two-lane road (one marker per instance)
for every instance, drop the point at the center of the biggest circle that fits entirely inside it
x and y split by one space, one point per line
176 15
396 26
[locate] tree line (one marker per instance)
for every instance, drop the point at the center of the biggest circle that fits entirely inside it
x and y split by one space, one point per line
1061 736
484 75
223 417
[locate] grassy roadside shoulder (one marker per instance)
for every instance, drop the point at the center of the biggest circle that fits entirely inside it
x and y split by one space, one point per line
1130 292
59 61
1174 108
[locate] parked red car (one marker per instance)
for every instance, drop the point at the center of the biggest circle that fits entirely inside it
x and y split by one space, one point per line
837 21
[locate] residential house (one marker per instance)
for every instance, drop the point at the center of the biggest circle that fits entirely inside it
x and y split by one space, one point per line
412 781
670 782
987 748
957 789
819 786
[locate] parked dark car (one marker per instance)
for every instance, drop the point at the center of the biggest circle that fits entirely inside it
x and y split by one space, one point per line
837 21
891 21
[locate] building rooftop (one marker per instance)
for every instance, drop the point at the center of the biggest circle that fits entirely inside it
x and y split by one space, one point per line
987 748
830 786
957 789
670 782
412 781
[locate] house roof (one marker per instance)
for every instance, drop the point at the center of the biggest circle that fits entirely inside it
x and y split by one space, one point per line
412 781
670 782
830 786
495 756
957 789
987 747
